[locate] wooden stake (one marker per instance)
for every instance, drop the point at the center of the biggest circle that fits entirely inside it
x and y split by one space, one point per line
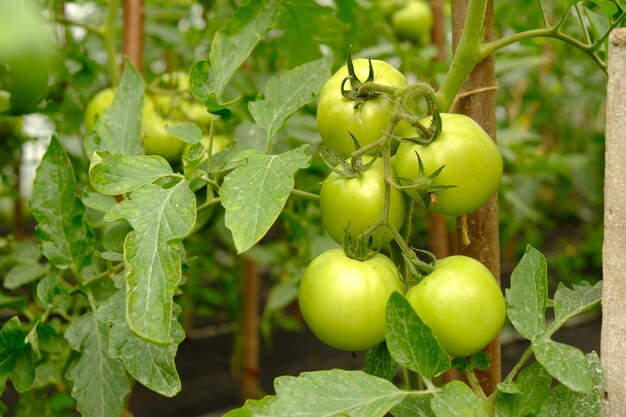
481 227
133 32
613 348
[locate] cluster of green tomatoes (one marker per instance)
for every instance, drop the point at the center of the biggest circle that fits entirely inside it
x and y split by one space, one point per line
169 103
343 297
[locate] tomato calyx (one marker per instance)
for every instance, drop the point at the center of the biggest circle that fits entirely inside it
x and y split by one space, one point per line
423 184
428 134
418 268
350 169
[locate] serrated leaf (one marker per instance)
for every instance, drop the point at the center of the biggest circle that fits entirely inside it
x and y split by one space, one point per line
66 240
333 393
380 363
286 93
187 132
233 43
114 173
119 128
528 296
255 193
456 399
570 302
565 363
253 408
410 342
414 405
562 402
22 274
532 387
151 365
160 218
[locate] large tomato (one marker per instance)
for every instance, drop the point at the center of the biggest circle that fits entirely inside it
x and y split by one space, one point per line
462 304
472 163
354 204
336 115
343 300
414 21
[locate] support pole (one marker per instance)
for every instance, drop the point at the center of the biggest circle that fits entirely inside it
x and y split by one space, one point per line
478 233
613 348
133 32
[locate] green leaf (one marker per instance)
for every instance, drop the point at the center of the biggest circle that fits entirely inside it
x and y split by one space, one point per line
565 363
253 408
563 402
533 385
99 381
568 303
281 295
286 93
150 364
115 173
50 290
23 376
187 132
233 43
22 274
608 7
456 399
97 201
13 302
332 393
380 363
12 341
201 87
66 240
528 296
410 342
414 405
119 128
255 193
160 218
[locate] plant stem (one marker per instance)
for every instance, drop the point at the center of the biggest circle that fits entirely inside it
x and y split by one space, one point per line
110 40
468 54
525 356
305 194
208 204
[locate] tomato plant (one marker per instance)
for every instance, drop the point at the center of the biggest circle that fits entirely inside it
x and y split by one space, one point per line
353 204
343 300
157 140
471 161
96 106
338 116
462 304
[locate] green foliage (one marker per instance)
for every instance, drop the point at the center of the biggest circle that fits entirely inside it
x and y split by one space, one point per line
94 297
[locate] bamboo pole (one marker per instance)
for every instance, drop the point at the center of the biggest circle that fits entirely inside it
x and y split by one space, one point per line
477 233
613 349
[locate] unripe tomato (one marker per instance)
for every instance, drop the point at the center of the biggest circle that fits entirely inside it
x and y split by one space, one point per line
96 106
336 115
461 302
157 140
357 203
414 21
471 159
343 300
220 142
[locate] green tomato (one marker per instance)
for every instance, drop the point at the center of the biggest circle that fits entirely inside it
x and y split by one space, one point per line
27 46
336 115
388 7
96 106
157 140
472 163
343 300
413 22
461 302
354 204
